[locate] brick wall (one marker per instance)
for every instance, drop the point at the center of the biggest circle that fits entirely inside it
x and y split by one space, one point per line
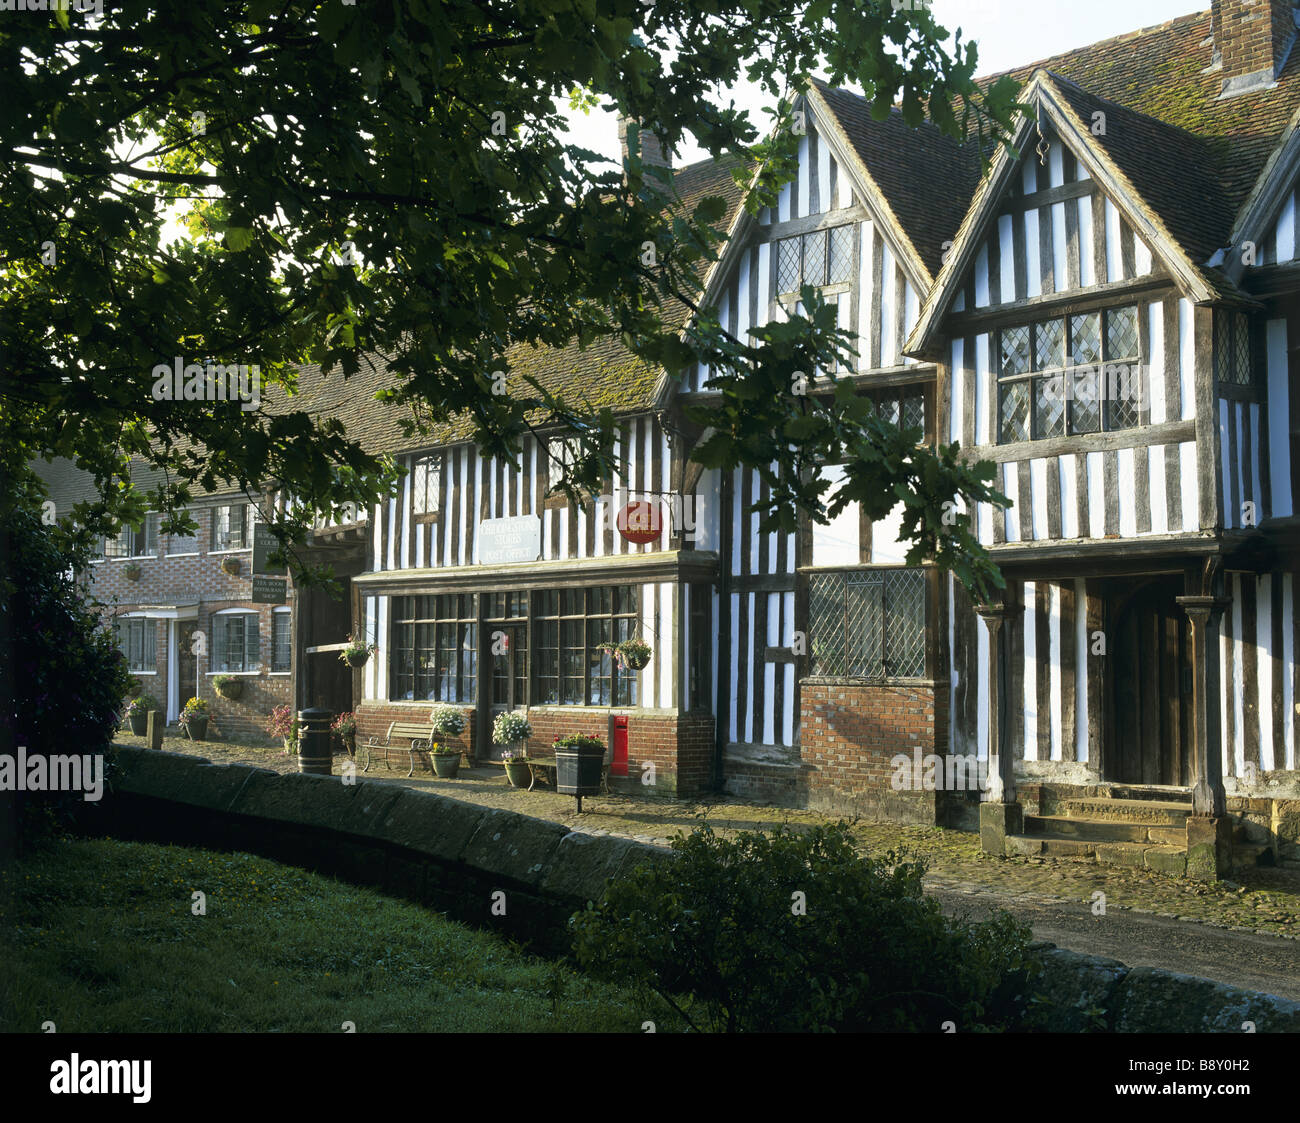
186 579
849 735
680 747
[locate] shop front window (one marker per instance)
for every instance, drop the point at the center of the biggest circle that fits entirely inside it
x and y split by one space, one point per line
570 628
434 648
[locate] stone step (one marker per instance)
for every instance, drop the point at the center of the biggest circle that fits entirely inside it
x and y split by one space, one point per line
1096 830
1136 855
1151 792
1151 812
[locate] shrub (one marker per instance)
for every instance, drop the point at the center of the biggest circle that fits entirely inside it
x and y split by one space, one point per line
510 727
723 935
62 678
447 720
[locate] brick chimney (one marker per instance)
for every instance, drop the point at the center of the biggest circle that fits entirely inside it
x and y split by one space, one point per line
1252 39
652 153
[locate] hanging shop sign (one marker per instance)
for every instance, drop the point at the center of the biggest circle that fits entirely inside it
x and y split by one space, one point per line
641 521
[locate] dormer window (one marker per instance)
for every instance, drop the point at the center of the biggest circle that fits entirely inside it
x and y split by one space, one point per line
822 257
1069 375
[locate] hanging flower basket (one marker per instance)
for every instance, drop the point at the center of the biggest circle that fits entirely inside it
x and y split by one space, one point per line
228 686
357 652
634 654
230 566
131 573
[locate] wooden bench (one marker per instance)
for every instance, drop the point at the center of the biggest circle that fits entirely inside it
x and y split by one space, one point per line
402 736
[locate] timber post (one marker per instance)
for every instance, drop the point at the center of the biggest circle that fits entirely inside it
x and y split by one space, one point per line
1000 814
1208 827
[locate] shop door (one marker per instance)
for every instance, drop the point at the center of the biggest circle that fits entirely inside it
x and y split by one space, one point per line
1152 688
508 658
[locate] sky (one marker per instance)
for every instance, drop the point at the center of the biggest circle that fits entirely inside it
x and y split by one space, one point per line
1009 33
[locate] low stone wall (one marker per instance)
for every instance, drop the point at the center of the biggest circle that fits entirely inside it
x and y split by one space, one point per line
451 855
457 857
1085 993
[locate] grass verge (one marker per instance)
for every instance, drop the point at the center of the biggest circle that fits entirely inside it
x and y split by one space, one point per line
103 938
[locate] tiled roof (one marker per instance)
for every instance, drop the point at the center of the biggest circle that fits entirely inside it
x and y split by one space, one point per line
1192 157
1162 73
927 178
1171 169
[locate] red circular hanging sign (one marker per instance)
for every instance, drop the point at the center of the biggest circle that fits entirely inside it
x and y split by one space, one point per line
641 521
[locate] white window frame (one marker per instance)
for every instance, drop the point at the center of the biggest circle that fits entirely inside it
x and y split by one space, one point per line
276 616
426 484
219 666
220 543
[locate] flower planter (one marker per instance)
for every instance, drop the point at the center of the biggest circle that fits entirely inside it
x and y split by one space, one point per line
518 773
356 658
446 765
139 724
231 690
131 573
577 770
636 662
197 728
230 566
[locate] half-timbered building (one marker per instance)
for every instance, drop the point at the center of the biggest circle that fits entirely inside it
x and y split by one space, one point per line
1104 312
1107 311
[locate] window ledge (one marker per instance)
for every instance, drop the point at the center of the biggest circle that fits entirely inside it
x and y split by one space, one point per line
191 554
235 550
240 674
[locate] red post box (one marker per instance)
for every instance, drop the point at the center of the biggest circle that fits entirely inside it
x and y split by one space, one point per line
618 765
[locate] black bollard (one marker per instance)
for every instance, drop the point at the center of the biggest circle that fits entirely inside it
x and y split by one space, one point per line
315 754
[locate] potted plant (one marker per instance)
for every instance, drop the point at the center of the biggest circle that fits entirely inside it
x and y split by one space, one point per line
518 773
510 728
284 725
447 720
446 761
357 652
230 566
137 713
345 730
195 719
578 761
132 572
228 686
